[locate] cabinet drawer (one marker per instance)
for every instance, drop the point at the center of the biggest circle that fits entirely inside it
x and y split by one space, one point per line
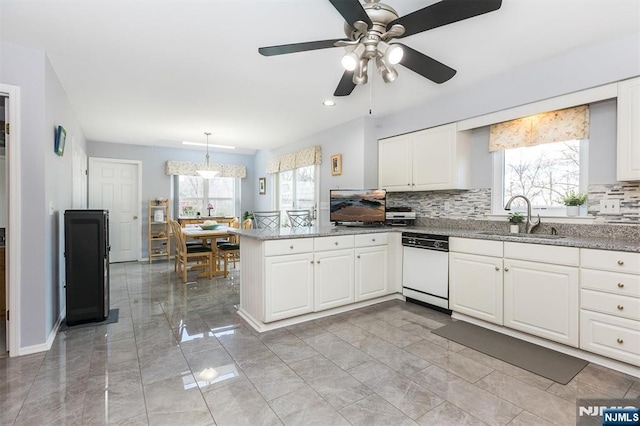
542 253
611 282
368 240
614 337
612 304
471 246
288 246
332 243
616 261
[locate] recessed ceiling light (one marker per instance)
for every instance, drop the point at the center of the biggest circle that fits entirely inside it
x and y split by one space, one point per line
329 102
211 145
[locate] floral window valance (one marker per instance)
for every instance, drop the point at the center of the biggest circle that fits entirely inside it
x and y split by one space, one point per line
187 168
305 157
555 126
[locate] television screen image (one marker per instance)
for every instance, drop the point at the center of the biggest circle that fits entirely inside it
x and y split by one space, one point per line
357 205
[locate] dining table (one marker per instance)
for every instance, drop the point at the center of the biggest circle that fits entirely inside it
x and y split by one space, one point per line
208 238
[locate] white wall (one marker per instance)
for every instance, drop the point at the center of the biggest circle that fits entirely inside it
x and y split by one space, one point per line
155 183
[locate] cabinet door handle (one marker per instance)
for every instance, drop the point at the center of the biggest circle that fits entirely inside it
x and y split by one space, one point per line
408 184
506 269
373 239
358 256
318 262
336 243
620 285
312 261
620 341
135 218
291 246
497 269
620 262
620 307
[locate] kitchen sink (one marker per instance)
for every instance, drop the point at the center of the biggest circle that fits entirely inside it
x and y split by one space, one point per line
523 236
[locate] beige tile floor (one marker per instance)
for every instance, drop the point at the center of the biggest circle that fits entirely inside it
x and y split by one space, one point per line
179 355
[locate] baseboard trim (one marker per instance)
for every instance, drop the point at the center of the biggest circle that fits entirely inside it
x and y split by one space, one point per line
42 347
261 327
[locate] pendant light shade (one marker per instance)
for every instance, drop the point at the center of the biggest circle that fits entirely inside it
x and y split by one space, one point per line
207 173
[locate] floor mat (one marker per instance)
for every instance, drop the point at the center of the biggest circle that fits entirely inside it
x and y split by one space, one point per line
545 362
112 318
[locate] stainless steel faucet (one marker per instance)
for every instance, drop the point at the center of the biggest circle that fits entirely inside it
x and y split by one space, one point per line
529 225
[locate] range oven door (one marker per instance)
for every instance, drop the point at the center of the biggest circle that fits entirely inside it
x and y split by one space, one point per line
425 275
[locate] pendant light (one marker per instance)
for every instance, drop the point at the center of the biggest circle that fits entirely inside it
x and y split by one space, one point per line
207 173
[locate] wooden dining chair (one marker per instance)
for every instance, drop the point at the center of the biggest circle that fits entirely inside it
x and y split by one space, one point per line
299 218
191 257
267 219
228 252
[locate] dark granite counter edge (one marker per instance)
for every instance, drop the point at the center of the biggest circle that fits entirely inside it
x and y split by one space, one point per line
568 241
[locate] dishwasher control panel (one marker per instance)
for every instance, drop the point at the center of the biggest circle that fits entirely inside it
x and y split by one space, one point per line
425 241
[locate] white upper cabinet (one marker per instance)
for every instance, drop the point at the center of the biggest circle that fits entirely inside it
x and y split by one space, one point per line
431 159
629 129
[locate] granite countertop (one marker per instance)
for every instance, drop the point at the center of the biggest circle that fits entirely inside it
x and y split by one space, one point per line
325 231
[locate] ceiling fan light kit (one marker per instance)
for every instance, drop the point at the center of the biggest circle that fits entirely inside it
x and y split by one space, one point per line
371 27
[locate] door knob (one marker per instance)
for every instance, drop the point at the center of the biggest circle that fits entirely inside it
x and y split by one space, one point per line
497 269
620 262
620 285
506 269
620 307
620 341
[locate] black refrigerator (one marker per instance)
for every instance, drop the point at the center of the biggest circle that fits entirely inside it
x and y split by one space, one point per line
86 252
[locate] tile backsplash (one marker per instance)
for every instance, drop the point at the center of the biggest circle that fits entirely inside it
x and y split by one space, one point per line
475 204
471 204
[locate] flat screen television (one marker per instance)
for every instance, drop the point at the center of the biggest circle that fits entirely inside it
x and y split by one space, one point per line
357 206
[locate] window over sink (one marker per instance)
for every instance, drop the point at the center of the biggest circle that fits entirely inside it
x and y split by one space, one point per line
542 157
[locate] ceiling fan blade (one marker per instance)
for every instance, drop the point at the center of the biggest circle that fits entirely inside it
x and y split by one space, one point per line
425 66
443 13
299 47
346 85
352 11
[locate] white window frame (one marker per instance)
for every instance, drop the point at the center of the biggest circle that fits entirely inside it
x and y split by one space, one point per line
176 191
316 195
497 186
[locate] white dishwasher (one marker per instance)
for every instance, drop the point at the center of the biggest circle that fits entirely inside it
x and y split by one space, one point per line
425 269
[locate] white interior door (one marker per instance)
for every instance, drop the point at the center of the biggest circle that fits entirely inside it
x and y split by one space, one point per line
4 212
115 185
79 176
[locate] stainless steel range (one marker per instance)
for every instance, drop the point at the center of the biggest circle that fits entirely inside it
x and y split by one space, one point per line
425 269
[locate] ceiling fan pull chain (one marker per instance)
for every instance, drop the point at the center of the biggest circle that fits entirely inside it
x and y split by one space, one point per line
370 97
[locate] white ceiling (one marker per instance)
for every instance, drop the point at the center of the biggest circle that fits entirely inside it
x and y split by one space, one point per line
157 72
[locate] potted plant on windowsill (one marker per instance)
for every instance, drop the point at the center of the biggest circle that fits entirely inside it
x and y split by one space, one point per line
515 219
573 202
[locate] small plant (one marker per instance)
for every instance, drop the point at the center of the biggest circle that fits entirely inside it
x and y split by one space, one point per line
516 218
247 215
573 199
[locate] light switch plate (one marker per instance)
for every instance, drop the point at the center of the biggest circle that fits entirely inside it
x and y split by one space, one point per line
611 206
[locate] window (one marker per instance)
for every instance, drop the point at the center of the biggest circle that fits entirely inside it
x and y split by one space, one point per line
296 190
195 194
542 173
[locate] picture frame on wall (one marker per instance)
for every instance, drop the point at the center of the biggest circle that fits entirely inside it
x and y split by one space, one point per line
61 138
336 165
262 186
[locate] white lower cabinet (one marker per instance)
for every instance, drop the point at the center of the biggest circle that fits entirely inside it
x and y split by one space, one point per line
333 279
314 274
610 304
542 299
475 286
371 272
288 285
